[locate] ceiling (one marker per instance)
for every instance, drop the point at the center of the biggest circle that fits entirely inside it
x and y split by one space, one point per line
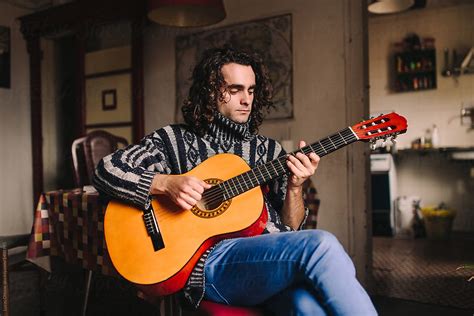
36 5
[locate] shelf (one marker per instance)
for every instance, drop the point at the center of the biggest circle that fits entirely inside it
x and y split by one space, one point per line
414 70
454 153
414 90
459 72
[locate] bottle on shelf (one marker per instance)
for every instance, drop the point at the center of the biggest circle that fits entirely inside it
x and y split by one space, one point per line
435 137
428 142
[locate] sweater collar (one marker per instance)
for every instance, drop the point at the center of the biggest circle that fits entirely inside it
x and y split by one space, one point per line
225 130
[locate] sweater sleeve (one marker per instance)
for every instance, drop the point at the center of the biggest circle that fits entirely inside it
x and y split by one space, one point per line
277 193
127 174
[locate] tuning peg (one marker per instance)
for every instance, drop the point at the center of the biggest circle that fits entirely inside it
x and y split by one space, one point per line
394 139
373 145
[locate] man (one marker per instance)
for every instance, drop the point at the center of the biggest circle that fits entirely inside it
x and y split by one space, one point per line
284 270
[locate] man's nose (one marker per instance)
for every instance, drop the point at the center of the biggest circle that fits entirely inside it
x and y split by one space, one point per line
246 98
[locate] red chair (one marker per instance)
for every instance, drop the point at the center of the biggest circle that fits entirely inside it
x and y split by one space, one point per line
171 307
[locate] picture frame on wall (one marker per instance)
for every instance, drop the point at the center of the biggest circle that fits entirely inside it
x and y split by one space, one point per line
109 99
4 57
271 38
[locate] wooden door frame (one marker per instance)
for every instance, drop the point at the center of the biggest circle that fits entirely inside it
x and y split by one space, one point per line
77 18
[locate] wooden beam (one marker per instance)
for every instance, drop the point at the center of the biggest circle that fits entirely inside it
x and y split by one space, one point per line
34 50
138 26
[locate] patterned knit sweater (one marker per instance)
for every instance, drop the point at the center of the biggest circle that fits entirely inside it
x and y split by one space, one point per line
127 174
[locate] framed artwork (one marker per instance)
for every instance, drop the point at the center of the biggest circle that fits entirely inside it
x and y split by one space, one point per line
270 37
4 57
109 99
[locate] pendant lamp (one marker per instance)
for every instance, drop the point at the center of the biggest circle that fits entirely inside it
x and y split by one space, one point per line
186 13
390 6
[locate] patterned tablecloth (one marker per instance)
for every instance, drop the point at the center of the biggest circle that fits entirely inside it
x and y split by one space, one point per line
70 224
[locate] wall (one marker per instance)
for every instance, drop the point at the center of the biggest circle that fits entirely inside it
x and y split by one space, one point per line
434 178
16 189
452 28
328 93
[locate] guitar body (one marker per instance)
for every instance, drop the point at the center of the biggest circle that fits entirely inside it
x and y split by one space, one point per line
186 234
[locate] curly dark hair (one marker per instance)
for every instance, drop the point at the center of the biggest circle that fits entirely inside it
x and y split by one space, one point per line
206 90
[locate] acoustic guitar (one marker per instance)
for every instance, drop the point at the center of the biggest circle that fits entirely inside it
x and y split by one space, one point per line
157 248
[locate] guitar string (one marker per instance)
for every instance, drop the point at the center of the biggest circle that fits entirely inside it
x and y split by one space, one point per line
215 193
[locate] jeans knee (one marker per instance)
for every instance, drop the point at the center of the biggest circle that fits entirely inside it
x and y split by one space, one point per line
325 244
305 303
323 239
295 301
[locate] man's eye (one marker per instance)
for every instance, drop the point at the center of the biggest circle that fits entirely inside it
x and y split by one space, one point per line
251 92
233 91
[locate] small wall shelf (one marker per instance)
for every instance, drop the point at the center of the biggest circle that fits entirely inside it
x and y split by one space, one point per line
415 70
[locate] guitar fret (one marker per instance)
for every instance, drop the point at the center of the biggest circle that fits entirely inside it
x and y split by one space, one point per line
263 177
256 178
232 186
337 140
247 187
240 185
276 171
342 138
327 144
226 194
325 151
335 147
317 151
281 164
269 175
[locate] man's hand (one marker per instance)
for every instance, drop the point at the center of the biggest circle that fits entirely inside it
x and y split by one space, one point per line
301 167
185 191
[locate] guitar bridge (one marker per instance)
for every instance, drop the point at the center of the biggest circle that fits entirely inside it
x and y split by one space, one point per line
151 226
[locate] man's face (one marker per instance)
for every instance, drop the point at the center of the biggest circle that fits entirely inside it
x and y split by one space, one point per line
238 97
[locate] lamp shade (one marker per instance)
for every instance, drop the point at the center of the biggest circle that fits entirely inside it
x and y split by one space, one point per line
390 6
186 12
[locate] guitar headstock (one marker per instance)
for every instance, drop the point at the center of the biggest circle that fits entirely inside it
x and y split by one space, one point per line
383 126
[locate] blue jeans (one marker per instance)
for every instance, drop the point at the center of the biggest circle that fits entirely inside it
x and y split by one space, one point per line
292 273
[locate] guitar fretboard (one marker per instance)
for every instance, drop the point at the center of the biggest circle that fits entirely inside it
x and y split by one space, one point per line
276 168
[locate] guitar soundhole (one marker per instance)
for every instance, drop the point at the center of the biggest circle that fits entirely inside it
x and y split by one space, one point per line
212 203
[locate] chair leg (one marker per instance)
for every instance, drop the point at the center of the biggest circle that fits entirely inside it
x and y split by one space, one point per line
171 307
5 294
86 293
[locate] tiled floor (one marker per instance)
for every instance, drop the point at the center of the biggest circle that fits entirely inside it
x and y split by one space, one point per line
424 271
413 278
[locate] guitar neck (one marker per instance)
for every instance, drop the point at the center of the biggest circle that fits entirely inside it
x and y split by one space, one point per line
277 168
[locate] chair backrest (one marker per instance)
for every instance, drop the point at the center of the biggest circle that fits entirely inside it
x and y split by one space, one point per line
89 150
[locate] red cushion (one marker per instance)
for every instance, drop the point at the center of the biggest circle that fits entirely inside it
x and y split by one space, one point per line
215 309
